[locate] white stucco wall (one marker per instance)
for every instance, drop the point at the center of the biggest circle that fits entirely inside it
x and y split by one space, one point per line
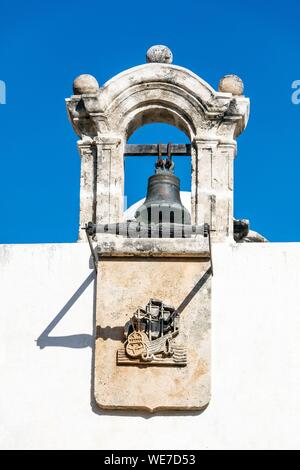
45 391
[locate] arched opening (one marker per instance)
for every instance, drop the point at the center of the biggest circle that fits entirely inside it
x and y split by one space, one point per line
155 113
139 168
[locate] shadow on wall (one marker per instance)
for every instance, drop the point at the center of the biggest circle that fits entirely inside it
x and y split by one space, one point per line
72 341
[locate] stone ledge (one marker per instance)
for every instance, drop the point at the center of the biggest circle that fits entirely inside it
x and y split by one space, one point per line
155 247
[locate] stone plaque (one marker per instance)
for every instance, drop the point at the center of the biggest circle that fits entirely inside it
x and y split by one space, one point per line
124 285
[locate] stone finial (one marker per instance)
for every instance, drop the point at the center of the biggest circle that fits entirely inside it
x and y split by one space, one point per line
85 84
231 84
159 53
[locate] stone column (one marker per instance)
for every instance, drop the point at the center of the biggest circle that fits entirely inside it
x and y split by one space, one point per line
110 179
222 189
202 180
87 184
212 187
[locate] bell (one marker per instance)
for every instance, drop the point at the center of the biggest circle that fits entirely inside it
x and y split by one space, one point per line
163 204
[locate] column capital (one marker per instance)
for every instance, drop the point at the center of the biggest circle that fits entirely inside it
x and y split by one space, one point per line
108 139
205 143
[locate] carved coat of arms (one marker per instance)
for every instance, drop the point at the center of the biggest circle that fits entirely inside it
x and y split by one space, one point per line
150 337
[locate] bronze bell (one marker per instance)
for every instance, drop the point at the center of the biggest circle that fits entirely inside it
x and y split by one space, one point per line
163 204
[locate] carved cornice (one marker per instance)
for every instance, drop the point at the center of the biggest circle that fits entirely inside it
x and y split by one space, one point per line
158 92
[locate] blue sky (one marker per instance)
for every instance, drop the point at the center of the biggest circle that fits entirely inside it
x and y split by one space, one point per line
45 45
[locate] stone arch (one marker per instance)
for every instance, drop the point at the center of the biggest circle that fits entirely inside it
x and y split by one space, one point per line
156 114
161 93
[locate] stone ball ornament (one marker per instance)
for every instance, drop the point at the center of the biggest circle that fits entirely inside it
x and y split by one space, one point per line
231 84
160 54
85 84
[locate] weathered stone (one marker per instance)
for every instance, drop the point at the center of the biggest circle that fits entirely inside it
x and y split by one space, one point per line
122 287
159 53
243 234
241 229
85 84
110 245
231 84
253 237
